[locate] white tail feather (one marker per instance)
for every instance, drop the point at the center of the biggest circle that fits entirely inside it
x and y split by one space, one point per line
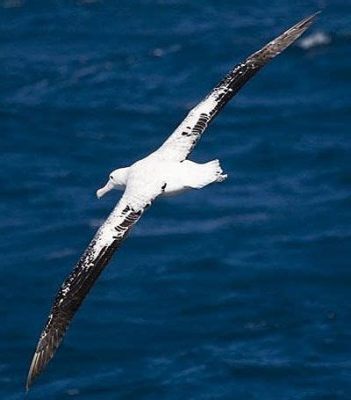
207 173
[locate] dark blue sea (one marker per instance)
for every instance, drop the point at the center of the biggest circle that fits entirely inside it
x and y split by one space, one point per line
241 290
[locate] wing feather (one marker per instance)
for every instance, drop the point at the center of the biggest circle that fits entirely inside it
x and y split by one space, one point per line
77 285
182 141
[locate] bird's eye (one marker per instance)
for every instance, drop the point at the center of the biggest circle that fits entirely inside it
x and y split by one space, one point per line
111 177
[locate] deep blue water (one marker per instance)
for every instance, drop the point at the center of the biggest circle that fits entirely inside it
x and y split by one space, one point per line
238 291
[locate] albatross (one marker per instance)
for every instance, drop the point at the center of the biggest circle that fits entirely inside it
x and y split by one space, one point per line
166 171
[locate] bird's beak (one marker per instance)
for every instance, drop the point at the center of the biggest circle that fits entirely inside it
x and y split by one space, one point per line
109 186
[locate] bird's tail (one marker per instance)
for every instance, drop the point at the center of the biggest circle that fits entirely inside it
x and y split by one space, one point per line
207 173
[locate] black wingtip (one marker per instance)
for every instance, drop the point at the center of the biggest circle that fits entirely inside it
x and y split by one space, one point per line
305 23
310 19
30 376
302 26
27 385
37 365
281 42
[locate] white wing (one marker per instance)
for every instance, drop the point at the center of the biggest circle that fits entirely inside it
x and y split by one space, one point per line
182 141
77 285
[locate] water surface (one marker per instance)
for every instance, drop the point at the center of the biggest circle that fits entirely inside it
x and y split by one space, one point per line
237 291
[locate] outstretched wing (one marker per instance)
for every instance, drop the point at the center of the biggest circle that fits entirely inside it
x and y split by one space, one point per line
77 285
182 141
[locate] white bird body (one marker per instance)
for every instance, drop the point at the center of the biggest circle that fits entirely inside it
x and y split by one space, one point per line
164 172
173 177
182 176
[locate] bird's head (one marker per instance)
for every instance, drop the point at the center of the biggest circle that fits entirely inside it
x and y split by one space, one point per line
116 180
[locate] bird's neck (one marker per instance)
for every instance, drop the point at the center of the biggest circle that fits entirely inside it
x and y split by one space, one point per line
123 176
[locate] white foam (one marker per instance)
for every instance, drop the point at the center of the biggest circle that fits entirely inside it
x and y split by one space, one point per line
314 40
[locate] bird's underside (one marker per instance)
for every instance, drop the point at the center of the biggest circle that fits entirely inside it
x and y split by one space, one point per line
141 190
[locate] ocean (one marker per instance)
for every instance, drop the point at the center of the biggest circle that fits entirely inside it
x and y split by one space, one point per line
237 291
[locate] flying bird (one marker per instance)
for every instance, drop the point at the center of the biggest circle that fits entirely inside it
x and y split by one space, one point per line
166 171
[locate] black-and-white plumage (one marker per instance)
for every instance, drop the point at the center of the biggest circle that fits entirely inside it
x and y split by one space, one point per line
166 171
184 138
